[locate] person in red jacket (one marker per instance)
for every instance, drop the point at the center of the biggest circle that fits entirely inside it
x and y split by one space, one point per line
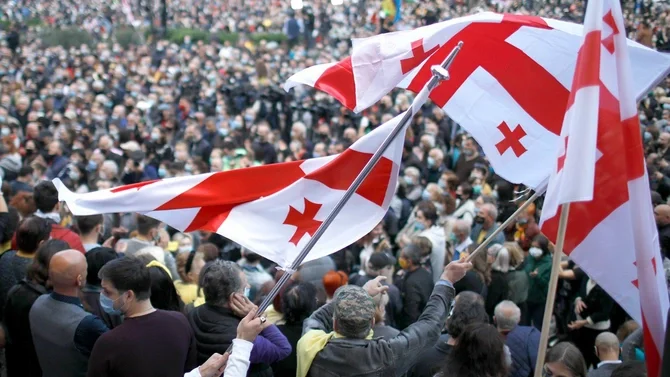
48 207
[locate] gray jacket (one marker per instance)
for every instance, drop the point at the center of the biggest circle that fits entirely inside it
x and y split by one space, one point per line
378 357
604 370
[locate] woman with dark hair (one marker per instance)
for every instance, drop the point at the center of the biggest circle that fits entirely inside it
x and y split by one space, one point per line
96 258
189 266
163 293
20 351
478 352
565 360
32 233
538 267
298 303
78 178
477 279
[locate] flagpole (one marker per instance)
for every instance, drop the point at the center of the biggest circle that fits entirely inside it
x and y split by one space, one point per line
440 73
505 224
551 294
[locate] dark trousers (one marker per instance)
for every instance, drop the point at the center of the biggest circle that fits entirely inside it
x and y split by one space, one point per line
525 318
536 314
585 340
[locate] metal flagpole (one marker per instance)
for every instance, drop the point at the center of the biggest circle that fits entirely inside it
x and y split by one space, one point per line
440 73
505 224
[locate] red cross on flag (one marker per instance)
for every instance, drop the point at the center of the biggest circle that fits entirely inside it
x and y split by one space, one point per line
272 209
509 86
600 172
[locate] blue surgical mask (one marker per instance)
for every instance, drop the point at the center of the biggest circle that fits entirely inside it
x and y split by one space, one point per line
477 189
425 195
92 166
408 180
247 292
419 226
430 161
235 125
453 239
223 132
107 305
162 172
442 184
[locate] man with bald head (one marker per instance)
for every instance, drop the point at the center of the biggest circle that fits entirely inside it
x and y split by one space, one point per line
63 332
607 350
662 216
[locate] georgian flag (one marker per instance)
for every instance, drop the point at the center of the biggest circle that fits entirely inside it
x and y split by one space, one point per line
600 172
508 87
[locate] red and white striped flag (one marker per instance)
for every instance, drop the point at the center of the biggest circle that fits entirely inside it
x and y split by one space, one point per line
600 171
508 88
272 210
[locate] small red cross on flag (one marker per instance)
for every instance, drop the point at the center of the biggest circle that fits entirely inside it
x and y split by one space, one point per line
561 158
511 139
608 42
304 222
418 56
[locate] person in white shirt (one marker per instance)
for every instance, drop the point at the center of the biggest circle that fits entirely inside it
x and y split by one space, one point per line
236 363
607 351
465 205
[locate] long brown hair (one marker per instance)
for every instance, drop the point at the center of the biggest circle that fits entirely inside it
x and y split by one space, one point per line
481 266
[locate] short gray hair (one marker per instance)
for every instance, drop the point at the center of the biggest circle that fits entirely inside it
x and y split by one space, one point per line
111 165
462 226
507 315
220 279
413 253
491 210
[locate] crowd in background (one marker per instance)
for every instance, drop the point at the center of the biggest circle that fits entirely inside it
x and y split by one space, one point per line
140 298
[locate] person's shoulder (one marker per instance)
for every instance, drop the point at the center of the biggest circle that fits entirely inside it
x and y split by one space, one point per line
171 316
6 258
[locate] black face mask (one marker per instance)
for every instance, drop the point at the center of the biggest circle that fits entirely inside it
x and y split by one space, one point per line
479 220
50 157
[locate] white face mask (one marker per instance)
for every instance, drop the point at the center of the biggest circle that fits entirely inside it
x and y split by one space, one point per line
535 252
185 249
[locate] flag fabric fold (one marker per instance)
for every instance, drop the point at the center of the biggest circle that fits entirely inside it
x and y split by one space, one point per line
272 210
509 86
600 172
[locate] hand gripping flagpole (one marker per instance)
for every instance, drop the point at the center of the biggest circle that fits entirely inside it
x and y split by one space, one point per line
506 223
440 73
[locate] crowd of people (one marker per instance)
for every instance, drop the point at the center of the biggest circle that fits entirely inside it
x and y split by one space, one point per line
124 295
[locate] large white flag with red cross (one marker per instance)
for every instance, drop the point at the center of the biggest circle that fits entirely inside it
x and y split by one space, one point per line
509 85
600 172
272 210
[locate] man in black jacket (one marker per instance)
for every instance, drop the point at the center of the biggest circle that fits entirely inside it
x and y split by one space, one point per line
415 285
381 264
352 351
